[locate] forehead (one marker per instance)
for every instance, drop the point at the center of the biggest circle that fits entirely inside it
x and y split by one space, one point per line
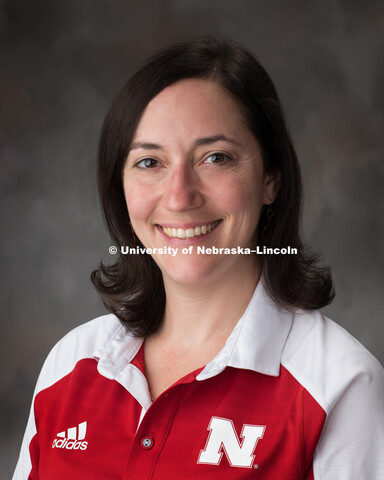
192 107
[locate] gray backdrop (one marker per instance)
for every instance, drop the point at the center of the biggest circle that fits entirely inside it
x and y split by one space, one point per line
61 63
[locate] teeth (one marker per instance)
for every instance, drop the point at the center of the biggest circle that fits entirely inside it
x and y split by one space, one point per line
180 233
189 232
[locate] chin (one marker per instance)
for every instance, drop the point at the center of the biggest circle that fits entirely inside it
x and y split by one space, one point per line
187 271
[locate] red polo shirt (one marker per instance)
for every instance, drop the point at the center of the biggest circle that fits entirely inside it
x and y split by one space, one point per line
290 396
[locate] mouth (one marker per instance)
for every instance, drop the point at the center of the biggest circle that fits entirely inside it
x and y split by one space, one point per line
190 232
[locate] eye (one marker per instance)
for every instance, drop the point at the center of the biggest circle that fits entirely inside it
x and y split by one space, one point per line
217 158
147 163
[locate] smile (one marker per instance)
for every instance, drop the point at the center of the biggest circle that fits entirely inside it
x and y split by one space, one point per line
190 232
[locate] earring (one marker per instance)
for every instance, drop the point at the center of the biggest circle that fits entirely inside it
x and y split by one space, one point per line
268 225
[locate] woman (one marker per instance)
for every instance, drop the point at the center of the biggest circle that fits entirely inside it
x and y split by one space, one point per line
215 362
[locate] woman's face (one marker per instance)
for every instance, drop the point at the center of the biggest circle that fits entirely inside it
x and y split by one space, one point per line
194 177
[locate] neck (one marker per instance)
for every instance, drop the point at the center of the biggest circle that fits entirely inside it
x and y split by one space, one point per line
207 312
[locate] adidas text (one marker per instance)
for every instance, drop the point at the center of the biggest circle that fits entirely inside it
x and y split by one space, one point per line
69 444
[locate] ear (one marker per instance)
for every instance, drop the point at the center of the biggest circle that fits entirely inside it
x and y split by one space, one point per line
272 182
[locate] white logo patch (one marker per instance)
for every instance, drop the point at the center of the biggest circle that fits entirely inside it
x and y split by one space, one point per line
223 436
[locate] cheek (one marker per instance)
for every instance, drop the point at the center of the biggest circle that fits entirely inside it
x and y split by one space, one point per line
240 196
138 200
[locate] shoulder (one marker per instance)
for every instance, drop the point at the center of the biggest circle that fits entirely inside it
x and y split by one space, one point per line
328 361
348 383
80 343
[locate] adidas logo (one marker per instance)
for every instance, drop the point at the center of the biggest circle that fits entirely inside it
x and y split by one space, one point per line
72 439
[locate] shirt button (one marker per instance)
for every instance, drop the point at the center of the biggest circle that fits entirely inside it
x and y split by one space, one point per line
147 442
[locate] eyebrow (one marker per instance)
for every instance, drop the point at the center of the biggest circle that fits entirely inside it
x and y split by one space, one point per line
197 143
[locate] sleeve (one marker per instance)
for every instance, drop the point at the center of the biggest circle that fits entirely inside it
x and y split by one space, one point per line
78 344
53 369
24 470
351 446
60 361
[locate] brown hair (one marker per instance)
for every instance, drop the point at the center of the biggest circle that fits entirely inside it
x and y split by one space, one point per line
132 288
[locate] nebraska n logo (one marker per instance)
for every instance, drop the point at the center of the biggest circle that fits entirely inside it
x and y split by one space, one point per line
223 436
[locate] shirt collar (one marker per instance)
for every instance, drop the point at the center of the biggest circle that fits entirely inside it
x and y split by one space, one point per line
256 343
116 349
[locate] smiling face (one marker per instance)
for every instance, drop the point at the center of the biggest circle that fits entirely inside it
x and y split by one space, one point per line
194 176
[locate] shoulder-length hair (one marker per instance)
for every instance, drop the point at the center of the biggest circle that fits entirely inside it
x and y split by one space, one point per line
132 287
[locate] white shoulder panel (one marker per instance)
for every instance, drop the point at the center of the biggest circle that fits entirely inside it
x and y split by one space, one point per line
78 344
348 383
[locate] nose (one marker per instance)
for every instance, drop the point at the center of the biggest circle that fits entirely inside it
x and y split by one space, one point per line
183 190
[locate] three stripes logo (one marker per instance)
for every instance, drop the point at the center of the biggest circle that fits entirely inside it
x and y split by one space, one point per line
72 438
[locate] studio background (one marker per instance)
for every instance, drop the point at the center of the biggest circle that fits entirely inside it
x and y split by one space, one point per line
62 63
